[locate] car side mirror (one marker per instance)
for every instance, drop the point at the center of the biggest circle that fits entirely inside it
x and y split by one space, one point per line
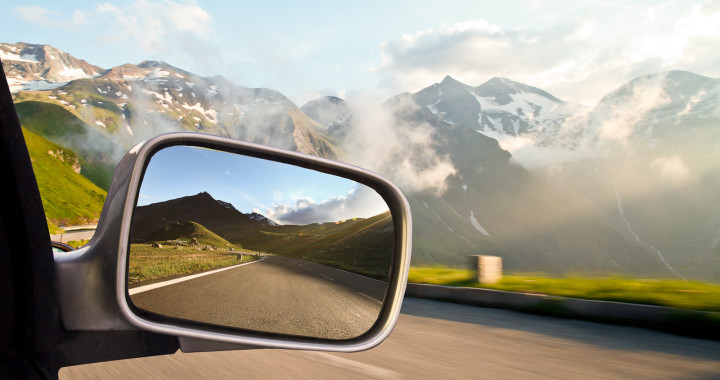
227 241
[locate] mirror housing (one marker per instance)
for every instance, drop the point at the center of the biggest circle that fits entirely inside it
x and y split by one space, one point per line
85 275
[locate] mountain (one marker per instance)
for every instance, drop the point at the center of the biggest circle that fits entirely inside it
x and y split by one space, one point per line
262 219
359 245
331 112
659 172
626 205
68 198
626 186
202 208
131 103
96 151
492 206
189 232
42 67
663 108
497 107
644 161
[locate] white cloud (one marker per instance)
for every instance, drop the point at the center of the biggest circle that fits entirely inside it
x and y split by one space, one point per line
360 202
671 169
400 150
52 19
624 112
581 59
161 29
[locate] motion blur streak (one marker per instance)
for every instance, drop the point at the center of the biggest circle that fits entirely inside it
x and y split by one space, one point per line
441 340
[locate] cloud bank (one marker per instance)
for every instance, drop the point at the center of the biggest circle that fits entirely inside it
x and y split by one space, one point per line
360 202
580 59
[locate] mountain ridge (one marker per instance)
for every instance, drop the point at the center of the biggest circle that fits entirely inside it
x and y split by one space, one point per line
638 160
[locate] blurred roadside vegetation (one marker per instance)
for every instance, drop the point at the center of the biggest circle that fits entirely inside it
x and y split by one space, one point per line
689 295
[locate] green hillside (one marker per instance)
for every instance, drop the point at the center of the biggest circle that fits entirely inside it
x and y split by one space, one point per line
68 198
62 127
187 231
362 246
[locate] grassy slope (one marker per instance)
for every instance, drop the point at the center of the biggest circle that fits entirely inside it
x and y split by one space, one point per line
68 198
62 127
147 262
361 245
691 295
177 256
189 230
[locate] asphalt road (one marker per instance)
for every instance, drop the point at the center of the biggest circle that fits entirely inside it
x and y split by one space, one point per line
447 341
73 235
276 294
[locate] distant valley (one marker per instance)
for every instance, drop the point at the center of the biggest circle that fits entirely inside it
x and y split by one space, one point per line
363 246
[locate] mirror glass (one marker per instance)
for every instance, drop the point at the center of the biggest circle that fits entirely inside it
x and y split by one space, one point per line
237 241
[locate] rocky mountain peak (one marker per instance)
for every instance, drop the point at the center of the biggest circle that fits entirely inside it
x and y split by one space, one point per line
501 90
36 64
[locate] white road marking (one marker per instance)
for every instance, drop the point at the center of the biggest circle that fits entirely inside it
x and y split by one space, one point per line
156 285
327 277
365 295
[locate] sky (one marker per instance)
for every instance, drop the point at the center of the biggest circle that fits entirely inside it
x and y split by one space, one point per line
284 193
576 50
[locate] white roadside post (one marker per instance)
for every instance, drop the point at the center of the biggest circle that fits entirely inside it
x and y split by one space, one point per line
488 268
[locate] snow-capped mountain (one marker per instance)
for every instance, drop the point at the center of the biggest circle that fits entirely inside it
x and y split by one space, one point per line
130 103
644 111
652 109
629 171
262 219
332 113
497 107
42 67
642 211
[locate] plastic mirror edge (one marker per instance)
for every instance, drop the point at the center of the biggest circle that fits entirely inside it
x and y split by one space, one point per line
397 203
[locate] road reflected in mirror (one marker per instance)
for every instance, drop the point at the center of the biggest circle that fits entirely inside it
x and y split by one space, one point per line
236 241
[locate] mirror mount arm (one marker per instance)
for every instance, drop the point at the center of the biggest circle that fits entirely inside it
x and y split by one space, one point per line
87 276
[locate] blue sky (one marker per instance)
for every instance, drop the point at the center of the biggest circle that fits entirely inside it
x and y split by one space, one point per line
577 50
284 193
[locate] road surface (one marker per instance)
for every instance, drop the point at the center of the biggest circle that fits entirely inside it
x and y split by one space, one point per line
276 294
75 233
447 341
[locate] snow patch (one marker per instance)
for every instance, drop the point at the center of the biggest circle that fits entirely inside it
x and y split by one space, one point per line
210 114
468 241
621 214
72 74
5 56
32 85
477 225
159 73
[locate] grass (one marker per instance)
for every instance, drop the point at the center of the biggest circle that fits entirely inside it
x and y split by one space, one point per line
68 198
362 246
690 295
60 126
175 259
77 243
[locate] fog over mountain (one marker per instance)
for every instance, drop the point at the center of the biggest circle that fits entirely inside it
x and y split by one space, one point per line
628 186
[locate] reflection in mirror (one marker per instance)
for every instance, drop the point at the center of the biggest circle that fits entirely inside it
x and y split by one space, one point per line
243 242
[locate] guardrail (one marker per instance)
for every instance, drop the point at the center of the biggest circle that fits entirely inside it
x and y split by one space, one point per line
699 324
